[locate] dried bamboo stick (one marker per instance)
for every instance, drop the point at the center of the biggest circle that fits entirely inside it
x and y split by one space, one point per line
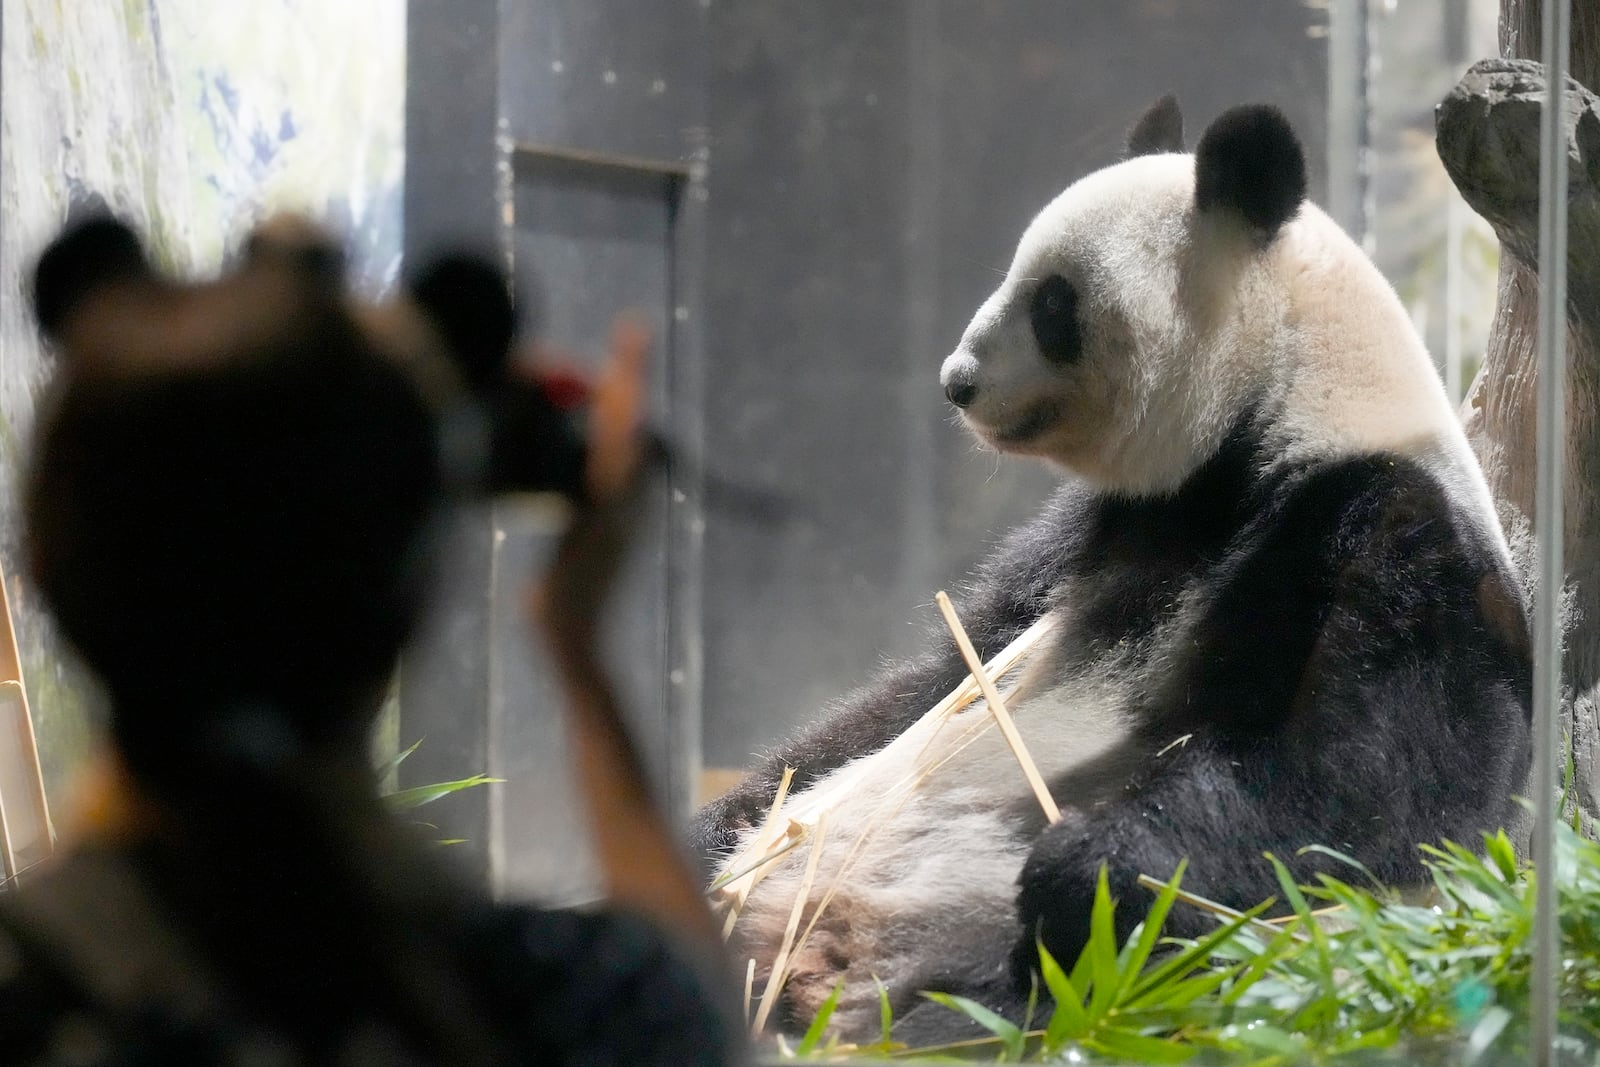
998 667
767 845
1155 885
997 708
892 803
780 963
736 890
896 796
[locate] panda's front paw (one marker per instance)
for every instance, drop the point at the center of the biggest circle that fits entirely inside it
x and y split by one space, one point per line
1054 900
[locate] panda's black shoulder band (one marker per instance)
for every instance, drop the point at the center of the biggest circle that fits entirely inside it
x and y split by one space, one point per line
1249 161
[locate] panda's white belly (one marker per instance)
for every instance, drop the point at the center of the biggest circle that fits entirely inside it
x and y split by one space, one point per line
919 845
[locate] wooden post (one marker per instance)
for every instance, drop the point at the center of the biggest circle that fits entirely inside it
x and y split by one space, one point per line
1488 138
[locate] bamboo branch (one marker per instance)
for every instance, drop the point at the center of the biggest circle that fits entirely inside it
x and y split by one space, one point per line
780 963
997 708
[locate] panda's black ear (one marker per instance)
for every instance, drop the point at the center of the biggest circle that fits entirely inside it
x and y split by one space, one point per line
468 300
1250 162
90 252
1160 129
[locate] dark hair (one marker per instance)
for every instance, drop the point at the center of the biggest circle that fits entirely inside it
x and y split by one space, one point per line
228 513
229 497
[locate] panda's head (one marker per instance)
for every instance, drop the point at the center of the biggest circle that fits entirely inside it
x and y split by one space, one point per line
1135 323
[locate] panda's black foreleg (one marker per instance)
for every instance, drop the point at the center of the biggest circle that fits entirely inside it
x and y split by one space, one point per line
1199 811
1401 772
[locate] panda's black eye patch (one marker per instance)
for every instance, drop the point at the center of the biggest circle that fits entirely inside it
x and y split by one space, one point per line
1054 316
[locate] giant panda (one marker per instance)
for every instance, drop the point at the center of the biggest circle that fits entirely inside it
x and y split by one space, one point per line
1284 611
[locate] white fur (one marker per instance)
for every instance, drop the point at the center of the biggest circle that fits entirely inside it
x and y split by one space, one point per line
925 833
1188 320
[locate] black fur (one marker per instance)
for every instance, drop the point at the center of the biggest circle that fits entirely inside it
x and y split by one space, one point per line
1250 162
1160 129
1053 315
1359 678
1355 674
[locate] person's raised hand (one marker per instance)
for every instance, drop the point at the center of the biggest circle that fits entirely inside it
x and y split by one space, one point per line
567 603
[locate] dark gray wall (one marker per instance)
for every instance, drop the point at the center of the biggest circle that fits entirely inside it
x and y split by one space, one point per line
872 166
608 76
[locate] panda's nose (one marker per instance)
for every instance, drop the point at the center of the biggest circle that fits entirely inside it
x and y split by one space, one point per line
959 376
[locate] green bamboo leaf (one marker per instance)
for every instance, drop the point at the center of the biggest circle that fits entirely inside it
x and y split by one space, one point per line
1348 861
1139 1048
417 796
1497 846
1067 1021
394 764
1138 953
1186 991
1196 955
1263 1038
885 1014
1010 1035
1102 949
819 1022
1308 922
1569 779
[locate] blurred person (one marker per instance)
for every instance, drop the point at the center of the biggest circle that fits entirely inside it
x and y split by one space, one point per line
231 512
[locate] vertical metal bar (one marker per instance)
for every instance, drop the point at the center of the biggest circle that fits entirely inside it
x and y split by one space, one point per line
1548 522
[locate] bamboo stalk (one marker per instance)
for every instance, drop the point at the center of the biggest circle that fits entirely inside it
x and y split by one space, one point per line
737 889
1155 885
768 845
793 837
892 803
997 708
780 963
897 795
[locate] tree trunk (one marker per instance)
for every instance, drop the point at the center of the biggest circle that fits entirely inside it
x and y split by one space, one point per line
1488 138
